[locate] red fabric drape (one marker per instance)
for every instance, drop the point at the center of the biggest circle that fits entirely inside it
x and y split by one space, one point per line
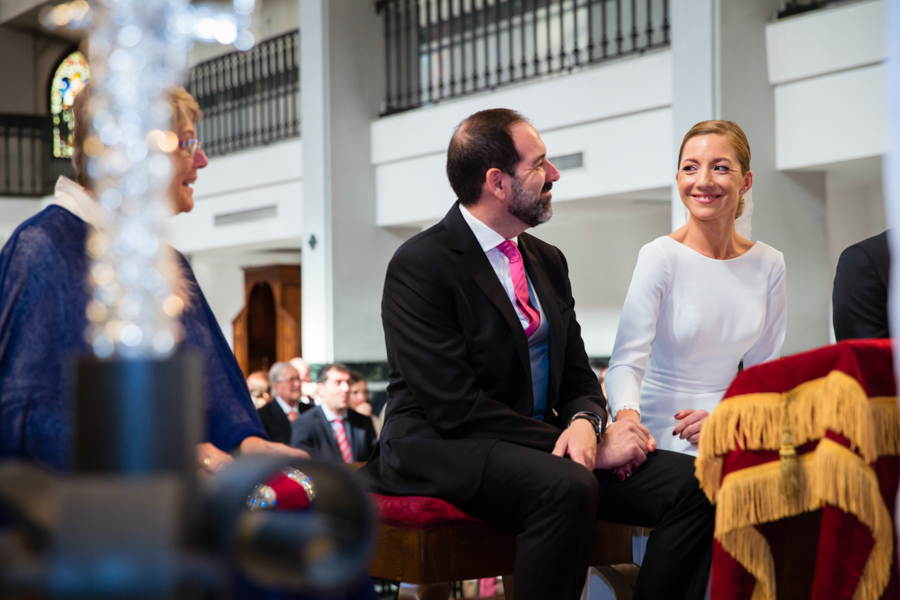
844 542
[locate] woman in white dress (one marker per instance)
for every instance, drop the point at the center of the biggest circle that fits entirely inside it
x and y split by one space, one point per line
701 299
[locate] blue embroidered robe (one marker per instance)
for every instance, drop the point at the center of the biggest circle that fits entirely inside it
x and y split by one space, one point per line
43 296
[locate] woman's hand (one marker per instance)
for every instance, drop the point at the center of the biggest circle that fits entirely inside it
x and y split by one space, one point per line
210 459
257 445
691 424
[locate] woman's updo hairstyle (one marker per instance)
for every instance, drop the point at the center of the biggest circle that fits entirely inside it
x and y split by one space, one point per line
735 136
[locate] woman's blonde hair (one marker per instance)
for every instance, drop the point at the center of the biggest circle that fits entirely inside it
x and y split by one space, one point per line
184 107
735 136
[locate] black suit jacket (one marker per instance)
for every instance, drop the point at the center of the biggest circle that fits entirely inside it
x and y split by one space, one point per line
276 422
861 289
459 369
312 432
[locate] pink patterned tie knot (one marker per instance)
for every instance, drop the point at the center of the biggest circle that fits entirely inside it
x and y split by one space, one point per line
520 284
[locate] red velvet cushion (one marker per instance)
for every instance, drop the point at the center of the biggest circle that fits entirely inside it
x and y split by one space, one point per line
418 512
290 494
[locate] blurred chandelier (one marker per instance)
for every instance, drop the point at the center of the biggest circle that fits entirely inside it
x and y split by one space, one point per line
138 51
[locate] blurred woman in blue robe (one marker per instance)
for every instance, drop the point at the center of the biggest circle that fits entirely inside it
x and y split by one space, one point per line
43 297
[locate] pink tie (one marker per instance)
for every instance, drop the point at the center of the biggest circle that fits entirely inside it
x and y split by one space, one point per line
517 272
340 433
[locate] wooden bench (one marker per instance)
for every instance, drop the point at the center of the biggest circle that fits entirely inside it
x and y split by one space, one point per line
429 543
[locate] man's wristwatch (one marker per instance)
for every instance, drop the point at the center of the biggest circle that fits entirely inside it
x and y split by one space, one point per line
594 420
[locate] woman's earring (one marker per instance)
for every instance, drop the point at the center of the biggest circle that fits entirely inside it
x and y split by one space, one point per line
742 192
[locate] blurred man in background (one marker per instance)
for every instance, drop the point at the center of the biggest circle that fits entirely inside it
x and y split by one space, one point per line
332 430
277 416
258 384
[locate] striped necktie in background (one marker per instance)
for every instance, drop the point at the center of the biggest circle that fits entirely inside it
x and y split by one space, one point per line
340 434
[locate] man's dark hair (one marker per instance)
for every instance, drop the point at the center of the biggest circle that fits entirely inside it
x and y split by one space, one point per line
480 143
323 372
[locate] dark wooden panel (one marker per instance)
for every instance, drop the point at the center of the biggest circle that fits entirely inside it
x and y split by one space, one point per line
472 551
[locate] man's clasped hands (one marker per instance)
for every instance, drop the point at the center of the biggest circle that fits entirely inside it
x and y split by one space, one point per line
625 444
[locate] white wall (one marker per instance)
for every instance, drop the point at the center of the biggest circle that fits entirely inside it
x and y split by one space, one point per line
223 287
617 114
855 204
827 70
253 179
828 73
269 18
601 240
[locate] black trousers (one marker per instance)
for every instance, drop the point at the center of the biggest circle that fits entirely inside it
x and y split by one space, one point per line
551 504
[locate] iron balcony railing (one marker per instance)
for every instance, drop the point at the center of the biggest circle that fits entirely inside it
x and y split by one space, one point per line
249 98
796 7
27 164
440 49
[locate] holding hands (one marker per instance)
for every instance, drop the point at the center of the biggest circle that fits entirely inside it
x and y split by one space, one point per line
691 423
625 445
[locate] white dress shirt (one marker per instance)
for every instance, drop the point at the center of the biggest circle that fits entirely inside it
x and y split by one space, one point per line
287 408
331 416
539 342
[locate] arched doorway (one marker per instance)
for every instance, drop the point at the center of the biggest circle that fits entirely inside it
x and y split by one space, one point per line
261 331
267 329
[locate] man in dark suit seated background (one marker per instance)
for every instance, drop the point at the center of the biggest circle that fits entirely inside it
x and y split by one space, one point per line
332 430
285 407
859 299
492 404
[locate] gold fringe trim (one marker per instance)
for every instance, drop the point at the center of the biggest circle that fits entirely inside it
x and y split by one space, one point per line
831 474
751 545
885 416
835 403
846 481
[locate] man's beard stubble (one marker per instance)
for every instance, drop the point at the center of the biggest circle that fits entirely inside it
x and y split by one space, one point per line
529 209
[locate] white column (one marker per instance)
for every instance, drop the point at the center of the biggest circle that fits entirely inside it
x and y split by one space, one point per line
342 87
315 101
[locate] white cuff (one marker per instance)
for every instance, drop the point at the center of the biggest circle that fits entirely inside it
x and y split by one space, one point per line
626 406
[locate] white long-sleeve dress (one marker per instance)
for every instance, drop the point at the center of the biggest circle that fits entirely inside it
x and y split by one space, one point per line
687 322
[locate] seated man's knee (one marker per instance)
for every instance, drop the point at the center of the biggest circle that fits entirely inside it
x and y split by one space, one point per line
578 488
681 468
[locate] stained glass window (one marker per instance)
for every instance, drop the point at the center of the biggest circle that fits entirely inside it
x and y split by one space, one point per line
71 75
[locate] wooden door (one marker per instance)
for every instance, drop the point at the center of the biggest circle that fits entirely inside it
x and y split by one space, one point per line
268 329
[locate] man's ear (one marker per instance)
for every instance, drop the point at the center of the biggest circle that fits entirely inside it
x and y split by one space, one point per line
496 184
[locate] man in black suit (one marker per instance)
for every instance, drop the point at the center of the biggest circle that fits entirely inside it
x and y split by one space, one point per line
492 404
285 407
860 290
332 430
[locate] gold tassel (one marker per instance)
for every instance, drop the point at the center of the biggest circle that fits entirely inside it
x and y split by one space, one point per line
790 470
835 403
829 474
